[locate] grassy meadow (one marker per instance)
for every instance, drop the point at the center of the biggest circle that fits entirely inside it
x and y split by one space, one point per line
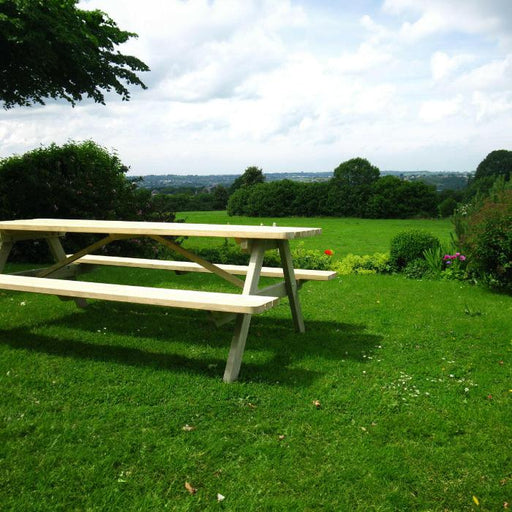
344 236
398 397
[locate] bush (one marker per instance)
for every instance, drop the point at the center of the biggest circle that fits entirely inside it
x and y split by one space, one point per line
367 264
447 207
75 181
231 253
417 269
488 240
410 245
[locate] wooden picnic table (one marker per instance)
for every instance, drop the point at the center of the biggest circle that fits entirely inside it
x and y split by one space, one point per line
59 278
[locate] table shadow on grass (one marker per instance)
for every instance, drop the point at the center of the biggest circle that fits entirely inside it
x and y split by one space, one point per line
128 325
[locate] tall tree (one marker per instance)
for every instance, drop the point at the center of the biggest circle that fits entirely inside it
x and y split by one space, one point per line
351 187
52 49
356 172
251 176
496 163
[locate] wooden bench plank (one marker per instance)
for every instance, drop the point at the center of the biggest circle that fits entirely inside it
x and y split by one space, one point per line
188 266
190 299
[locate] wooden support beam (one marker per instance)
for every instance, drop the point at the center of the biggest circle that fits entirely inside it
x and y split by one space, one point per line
62 259
197 259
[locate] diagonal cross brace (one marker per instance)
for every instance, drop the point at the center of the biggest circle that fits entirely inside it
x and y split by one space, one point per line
197 259
69 259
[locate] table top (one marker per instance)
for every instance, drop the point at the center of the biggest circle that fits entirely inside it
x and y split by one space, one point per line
158 228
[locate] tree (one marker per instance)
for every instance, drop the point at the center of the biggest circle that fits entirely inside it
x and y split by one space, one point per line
351 187
220 197
52 49
496 163
251 176
356 172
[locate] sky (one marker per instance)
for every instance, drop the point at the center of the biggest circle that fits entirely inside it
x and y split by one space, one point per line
296 85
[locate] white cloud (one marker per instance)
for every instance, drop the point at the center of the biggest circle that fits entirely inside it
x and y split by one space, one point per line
443 66
492 105
496 74
365 58
296 86
466 16
436 110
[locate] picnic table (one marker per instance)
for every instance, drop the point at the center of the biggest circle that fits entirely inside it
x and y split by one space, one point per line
60 278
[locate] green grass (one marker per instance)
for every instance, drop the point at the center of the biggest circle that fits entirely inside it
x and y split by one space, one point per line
414 380
344 236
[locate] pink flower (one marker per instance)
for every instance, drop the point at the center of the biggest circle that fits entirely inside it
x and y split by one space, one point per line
462 257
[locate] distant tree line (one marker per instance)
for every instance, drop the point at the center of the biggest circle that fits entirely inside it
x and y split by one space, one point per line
189 199
356 190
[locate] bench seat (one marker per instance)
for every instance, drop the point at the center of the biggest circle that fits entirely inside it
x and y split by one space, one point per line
188 266
190 299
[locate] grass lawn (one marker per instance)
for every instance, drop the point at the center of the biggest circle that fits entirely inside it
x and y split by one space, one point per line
344 236
115 407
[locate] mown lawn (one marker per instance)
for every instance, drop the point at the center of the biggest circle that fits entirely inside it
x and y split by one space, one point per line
344 236
413 378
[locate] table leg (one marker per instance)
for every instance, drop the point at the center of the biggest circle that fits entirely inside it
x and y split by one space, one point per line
59 254
291 285
236 351
5 249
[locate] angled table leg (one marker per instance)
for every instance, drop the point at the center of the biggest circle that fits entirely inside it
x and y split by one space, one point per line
236 351
59 254
291 285
5 249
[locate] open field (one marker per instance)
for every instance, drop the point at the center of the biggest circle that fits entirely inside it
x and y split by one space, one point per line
344 236
414 380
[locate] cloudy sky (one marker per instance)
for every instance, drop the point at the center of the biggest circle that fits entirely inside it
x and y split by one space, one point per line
297 85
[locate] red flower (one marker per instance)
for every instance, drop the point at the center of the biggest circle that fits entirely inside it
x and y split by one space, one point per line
329 252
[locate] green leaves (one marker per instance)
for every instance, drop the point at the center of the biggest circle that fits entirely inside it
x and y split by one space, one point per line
52 49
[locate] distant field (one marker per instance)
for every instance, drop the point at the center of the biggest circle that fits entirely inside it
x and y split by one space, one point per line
344 236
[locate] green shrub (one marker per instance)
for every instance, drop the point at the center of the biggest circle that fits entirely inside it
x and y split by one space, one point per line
367 264
417 269
410 245
75 181
310 258
447 207
227 253
231 253
488 240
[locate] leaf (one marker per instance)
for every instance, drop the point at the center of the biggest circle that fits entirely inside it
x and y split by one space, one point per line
220 497
190 489
188 428
475 499
317 404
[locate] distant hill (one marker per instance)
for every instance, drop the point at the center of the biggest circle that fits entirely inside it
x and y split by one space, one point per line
441 180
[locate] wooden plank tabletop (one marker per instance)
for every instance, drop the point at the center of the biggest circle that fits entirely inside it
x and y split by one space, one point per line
158 228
